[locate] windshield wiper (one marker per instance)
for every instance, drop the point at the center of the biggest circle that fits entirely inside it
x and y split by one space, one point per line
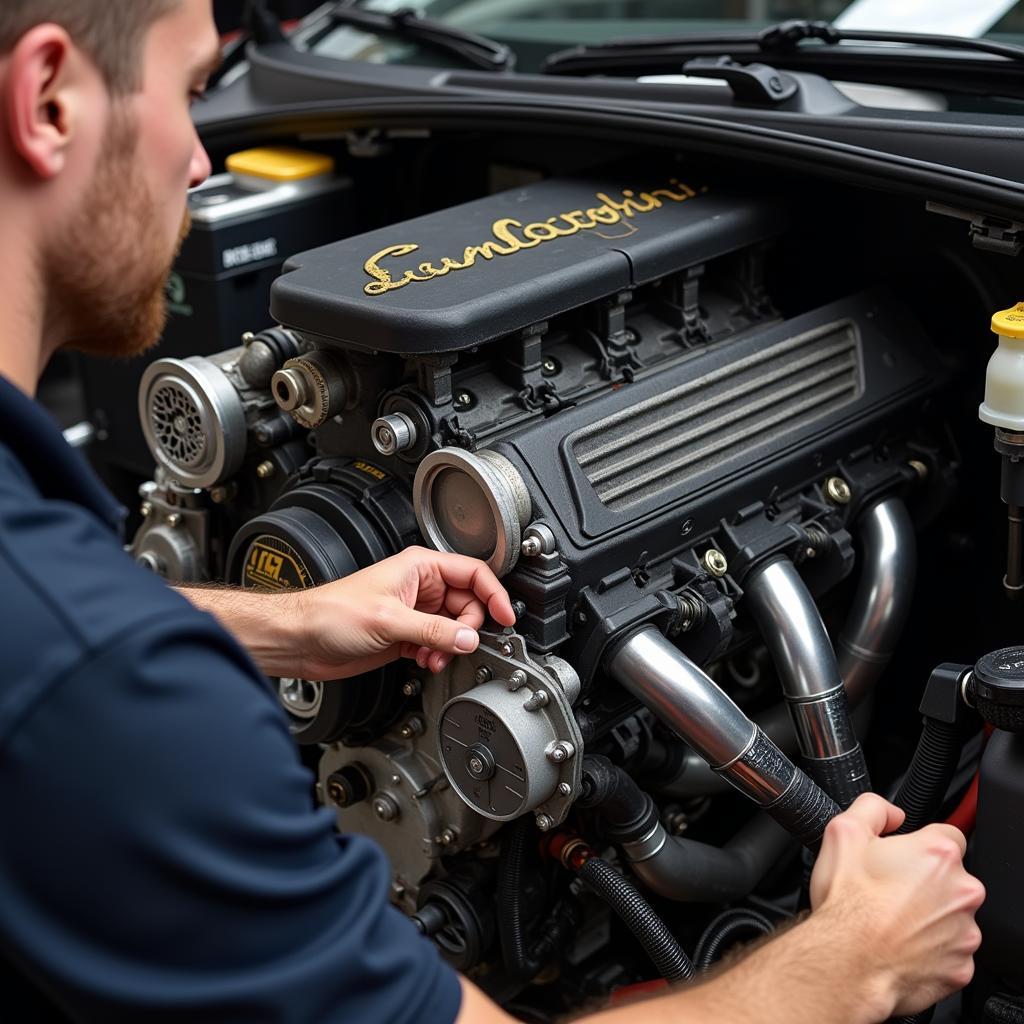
477 51
980 66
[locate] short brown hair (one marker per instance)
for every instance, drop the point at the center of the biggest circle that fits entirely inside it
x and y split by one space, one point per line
111 32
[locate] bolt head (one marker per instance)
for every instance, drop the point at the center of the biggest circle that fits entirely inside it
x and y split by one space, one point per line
411 688
564 789
837 490
530 547
482 674
561 751
476 766
516 679
545 822
507 649
385 808
715 562
265 470
173 519
146 509
463 400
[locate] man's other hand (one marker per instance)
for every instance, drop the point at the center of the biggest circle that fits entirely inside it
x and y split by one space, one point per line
905 903
421 604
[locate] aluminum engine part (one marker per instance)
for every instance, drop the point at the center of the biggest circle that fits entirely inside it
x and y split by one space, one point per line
193 418
409 809
173 540
511 744
473 503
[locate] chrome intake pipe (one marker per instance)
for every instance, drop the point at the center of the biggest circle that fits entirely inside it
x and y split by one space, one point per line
792 629
873 626
883 598
661 677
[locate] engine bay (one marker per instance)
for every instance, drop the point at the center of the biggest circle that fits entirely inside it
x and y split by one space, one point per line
714 427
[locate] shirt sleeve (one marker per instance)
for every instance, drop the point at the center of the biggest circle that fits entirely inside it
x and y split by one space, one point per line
162 859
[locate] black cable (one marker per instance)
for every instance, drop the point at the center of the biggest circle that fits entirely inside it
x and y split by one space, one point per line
724 929
511 930
639 917
931 771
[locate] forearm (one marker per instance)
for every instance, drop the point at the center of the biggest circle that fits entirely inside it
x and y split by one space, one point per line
808 975
267 625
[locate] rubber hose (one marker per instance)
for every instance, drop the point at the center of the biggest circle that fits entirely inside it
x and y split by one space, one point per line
931 771
723 929
639 917
510 897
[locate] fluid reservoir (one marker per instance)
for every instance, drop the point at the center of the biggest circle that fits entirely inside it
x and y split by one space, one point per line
995 853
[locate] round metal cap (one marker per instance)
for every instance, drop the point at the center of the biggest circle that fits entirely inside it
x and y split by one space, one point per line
472 503
392 434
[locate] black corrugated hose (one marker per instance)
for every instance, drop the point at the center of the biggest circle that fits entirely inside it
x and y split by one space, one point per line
639 917
728 926
510 897
931 771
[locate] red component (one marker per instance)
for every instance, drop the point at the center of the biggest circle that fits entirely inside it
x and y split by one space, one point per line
627 993
568 849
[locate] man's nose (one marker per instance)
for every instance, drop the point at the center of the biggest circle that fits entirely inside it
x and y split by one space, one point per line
200 168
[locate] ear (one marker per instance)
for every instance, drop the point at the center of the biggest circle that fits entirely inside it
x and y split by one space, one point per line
40 98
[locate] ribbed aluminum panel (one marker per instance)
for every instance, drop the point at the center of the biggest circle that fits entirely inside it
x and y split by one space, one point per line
661 443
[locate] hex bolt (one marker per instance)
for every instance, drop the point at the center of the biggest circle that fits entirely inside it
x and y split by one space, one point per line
531 547
920 468
463 400
412 687
560 751
447 837
265 470
146 509
482 674
549 367
715 562
413 727
173 519
506 648
385 807
516 679
537 699
837 490
564 789
545 822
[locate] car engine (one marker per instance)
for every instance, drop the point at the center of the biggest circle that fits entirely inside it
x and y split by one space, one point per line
703 502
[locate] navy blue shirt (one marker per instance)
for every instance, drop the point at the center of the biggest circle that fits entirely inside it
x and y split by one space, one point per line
161 857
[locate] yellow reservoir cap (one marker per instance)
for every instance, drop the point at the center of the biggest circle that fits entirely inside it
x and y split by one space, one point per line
1009 322
279 163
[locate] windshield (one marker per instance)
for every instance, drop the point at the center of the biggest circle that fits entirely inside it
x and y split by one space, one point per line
536 28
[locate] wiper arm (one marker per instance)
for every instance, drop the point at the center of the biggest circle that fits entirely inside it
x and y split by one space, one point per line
477 51
782 43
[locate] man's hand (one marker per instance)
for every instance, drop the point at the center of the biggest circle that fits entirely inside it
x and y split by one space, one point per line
420 604
904 902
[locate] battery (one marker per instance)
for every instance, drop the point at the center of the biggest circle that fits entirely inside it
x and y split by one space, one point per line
268 205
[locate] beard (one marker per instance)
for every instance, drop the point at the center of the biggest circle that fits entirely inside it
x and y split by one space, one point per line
107 275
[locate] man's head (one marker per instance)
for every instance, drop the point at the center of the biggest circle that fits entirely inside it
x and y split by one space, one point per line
97 150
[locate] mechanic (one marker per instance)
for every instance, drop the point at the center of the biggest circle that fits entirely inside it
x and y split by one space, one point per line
161 855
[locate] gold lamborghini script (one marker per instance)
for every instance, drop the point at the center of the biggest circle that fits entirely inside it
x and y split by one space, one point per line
509 235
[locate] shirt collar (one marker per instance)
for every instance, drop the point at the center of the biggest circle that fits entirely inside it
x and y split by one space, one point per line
58 470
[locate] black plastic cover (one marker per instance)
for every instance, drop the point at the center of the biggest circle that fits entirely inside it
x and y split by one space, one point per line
999 676
472 273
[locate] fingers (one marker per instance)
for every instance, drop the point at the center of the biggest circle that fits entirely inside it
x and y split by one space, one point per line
949 833
875 814
433 632
468 574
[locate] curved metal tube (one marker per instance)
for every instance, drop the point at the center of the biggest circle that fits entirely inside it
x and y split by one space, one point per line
686 870
884 595
792 629
868 638
692 704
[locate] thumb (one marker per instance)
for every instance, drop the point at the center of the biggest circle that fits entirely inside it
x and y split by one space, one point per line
878 816
437 632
